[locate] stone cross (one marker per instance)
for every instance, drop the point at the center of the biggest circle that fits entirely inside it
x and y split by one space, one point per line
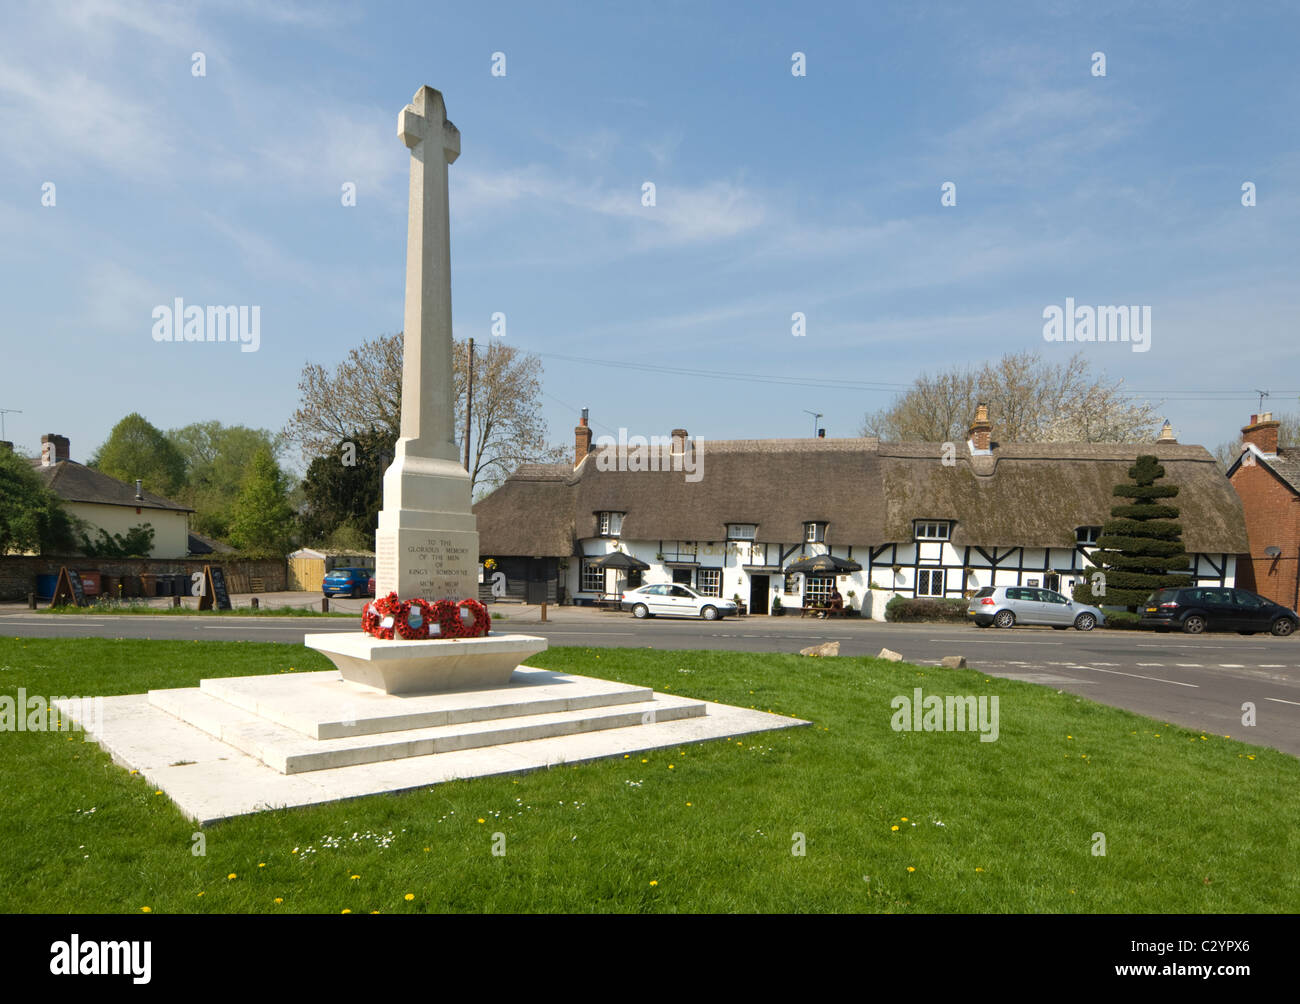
426 545
428 414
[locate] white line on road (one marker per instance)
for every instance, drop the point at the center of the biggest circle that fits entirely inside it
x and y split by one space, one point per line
1231 665
1189 665
1154 665
1280 701
1139 676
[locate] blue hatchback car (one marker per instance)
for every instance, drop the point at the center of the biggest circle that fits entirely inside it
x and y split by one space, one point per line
354 582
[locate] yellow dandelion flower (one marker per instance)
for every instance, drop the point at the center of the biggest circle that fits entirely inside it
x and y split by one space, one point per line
410 896
146 909
482 820
355 877
654 881
279 899
671 766
261 864
157 792
688 803
1250 756
979 869
232 875
894 827
903 818
200 894
346 911
910 868
645 761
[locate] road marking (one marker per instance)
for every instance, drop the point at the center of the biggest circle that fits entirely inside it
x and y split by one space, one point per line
1156 665
994 641
1280 701
1139 676
1106 664
1231 665
1189 665
1272 665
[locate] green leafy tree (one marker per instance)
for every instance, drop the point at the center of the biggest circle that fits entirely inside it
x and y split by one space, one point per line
1140 550
136 449
262 521
216 459
32 517
136 543
345 488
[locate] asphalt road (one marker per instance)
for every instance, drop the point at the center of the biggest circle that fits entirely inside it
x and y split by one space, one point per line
1199 682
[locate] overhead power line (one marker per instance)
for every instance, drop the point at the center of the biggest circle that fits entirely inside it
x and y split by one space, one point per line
834 383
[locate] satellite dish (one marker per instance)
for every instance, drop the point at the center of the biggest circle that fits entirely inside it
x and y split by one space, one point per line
1273 552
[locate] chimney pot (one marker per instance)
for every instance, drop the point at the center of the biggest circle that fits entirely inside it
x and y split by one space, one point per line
1262 433
54 449
679 441
581 440
981 430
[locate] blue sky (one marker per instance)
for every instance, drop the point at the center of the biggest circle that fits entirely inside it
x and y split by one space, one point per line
775 194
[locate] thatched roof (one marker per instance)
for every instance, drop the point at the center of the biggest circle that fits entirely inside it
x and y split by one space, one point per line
1036 494
530 515
869 492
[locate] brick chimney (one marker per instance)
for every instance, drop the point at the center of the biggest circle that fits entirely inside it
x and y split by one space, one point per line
680 436
1262 433
54 449
581 440
1166 435
981 429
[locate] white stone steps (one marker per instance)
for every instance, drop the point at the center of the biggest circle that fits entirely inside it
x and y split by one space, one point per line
324 706
289 752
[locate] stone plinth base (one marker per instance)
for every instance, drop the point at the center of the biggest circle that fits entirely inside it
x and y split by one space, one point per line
426 667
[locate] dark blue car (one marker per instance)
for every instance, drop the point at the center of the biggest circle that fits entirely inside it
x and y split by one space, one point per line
354 582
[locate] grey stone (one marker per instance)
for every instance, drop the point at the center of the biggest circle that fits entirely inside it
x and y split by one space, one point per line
825 649
953 661
890 654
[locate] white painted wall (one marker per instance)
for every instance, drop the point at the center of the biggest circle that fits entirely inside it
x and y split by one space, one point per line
170 528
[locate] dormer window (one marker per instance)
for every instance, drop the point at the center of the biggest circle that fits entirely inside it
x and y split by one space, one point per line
1087 534
742 531
933 529
814 533
610 524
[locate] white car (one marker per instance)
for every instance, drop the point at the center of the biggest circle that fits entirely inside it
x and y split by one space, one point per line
669 599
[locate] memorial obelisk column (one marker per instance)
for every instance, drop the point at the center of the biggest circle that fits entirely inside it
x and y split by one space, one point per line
427 542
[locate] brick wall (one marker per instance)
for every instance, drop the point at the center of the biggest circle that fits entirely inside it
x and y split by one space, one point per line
1272 511
18 574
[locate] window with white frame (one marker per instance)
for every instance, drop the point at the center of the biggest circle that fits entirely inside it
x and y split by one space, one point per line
742 531
933 530
611 524
593 578
818 589
1087 534
708 581
814 533
929 582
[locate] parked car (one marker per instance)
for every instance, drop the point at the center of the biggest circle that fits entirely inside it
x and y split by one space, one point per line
1214 608
670 599
1005 606
354 582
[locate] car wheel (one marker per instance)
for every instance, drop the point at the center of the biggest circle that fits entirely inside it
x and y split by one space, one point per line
1085 622
709 613
640 611
1004 619
1283 626
1194 624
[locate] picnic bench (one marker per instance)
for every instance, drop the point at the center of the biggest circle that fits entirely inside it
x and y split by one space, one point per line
823 610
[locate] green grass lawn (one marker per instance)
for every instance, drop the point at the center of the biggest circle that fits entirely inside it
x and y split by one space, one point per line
891 821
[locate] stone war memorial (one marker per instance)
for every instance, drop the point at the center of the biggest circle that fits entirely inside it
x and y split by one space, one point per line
427 692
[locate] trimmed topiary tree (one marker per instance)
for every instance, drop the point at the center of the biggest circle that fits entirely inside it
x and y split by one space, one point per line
1140 550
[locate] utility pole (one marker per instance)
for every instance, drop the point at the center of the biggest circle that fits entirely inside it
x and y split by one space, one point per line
817 416
469 406
3 413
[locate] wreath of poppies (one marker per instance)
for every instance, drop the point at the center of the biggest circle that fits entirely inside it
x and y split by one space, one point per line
390 617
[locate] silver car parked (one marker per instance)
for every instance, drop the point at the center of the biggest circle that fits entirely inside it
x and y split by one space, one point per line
670 599
1005 606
